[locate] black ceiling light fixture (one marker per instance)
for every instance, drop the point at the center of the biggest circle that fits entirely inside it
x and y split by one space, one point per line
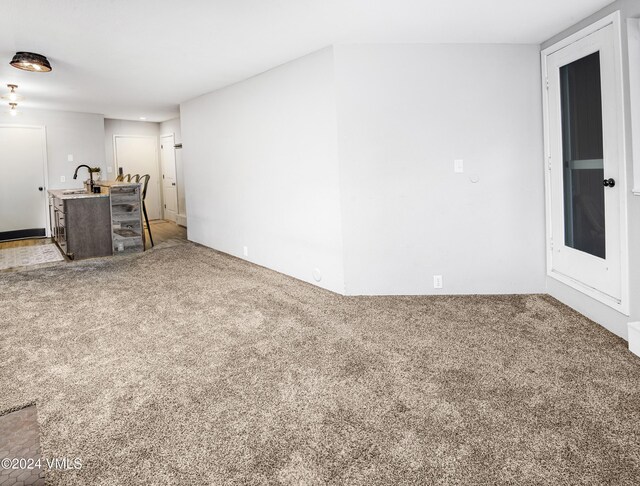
29 61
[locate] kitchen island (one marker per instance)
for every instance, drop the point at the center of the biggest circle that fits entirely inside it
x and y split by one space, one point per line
80 223
87 224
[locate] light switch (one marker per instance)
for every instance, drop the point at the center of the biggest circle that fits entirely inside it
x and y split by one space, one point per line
458 166
70 158
63 179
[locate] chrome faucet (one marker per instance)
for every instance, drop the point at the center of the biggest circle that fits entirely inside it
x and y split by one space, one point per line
75 174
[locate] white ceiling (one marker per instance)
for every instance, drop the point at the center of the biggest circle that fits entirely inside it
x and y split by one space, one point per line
133 58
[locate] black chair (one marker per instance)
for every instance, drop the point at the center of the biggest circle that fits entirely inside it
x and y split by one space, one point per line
144 180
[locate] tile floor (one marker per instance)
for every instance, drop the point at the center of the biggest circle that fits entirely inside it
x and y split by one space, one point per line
20 438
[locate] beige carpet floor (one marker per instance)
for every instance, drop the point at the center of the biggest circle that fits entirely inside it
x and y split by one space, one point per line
187 366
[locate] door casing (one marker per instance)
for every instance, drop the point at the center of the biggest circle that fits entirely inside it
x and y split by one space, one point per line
45 170
169 177
153 207
621 302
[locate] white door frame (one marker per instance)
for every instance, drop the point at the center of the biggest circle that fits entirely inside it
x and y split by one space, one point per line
45 170
157 155
175 169
633 36
621 305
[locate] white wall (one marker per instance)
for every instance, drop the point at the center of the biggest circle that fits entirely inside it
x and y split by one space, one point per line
604 315
262 170
68 133
166 128
125 127
405 112
172 126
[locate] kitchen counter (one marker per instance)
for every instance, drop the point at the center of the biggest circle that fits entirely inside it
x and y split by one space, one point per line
116 184
81 222
62 194
87 225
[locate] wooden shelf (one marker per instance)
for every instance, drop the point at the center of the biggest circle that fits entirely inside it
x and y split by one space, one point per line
126 217
125 233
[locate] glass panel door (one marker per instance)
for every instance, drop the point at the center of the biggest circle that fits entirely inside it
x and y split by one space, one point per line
583 164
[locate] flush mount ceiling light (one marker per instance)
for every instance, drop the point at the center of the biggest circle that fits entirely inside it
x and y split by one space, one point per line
29 61
12 95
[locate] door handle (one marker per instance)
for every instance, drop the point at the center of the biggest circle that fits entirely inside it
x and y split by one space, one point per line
173 183
609 183
40 188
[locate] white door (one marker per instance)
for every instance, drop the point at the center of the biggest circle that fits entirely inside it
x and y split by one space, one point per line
23 199
585 181
169 181
139 155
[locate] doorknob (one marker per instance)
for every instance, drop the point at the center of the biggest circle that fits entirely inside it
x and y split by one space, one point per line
173 183
609 183
40 188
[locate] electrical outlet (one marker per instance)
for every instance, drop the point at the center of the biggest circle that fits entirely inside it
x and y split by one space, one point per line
70 158
245 251
437 281
458 166
63 179
109 169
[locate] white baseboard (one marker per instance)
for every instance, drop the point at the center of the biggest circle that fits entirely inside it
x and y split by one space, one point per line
634 338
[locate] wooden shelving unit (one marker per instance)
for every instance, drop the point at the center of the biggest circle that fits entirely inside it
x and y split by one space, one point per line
126 216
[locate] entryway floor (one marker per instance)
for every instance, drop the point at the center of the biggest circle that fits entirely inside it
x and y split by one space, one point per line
27 242
20 448
26 256
163 230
